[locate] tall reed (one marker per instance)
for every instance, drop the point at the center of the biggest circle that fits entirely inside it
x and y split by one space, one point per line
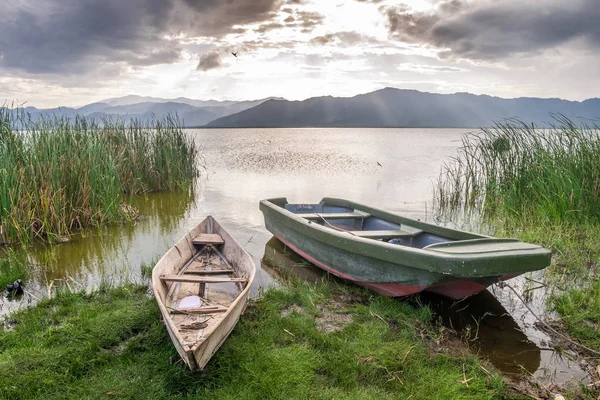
518 170
59 175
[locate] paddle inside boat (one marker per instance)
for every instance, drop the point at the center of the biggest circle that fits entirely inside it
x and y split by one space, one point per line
395 255
201 285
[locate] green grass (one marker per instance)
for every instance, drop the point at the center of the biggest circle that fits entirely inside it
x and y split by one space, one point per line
580 309
60 175
111 343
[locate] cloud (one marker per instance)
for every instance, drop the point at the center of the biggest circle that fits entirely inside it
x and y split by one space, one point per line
428 69
492 29
268 27
305 20
308 20
216 17
75 36
345 38
209 61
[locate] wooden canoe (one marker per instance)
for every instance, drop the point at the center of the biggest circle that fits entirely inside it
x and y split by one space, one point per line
395 255
201 285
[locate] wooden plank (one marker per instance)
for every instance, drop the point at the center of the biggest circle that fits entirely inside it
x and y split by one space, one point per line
208 238
213 271
327 216
381 234
214 263
199 279
200 310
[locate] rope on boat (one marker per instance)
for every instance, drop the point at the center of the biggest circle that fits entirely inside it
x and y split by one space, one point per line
546 324
334 227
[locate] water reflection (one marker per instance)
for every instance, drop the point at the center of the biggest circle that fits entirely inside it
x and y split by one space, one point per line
489 329
114 252
284 264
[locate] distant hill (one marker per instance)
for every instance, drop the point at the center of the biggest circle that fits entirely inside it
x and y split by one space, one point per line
193 113
387 107
134 99
391 107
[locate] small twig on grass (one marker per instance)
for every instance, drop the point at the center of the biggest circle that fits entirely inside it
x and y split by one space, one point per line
485 370
377 316
393 375
406 355
288 332
365 359
465 380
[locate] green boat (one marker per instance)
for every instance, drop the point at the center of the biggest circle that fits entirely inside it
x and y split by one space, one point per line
395 255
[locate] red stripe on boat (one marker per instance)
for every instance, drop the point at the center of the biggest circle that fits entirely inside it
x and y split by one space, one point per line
454 289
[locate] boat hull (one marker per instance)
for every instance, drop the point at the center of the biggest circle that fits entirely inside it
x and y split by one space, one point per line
197 355
456 289
395 270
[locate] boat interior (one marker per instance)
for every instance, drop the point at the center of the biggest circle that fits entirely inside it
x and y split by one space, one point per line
200 294
362 224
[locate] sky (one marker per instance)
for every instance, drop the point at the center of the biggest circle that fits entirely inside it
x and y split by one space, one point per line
76 52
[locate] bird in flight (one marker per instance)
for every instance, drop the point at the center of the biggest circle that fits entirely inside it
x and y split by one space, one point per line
234 54
378 163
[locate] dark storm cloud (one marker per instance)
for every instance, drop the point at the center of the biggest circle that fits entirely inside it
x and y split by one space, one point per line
216 17
495 29
74 36
209 61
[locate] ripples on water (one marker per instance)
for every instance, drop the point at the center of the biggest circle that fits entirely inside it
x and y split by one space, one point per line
392 169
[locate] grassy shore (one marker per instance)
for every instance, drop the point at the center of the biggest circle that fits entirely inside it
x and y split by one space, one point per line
60 175
541 186
301 341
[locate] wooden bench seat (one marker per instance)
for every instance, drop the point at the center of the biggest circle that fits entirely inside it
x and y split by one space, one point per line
199 310
208 238
385 234
206 271
199 279
328 216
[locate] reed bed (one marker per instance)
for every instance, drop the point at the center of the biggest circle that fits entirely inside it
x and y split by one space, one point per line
60 175
517 170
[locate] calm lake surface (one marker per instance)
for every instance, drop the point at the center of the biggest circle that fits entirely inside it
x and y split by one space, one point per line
394 169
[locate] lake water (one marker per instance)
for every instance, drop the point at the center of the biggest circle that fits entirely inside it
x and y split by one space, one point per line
394 169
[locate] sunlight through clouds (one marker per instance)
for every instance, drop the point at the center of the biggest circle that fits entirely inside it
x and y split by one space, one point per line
58 53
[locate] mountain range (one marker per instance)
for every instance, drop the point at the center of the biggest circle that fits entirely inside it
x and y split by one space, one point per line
387 107
192 113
